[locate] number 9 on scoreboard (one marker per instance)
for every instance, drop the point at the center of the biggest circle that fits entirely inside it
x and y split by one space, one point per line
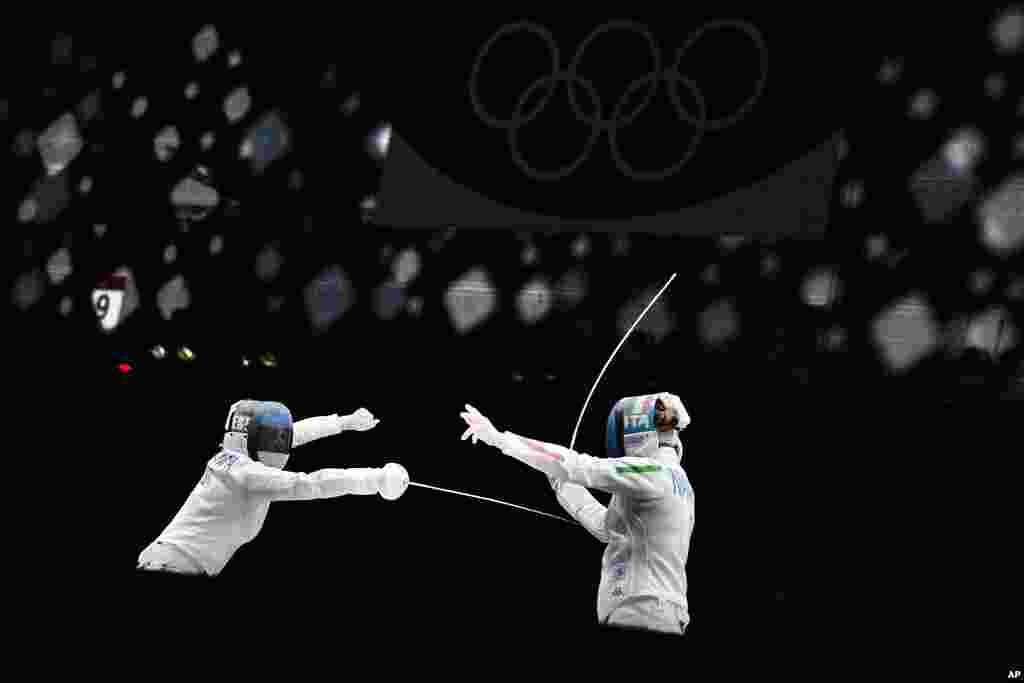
108 300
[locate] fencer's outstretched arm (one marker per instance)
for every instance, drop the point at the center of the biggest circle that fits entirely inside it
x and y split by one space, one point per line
327 483
582 507
638 477
633 476
313 428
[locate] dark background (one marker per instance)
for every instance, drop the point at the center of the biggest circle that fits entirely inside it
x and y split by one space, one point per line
839 497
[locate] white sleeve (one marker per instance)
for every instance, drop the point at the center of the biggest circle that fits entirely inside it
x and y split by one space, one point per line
327 483
635 477
583 507
313 428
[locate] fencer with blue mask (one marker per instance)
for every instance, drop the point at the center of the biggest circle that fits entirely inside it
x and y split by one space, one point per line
228 506
649 521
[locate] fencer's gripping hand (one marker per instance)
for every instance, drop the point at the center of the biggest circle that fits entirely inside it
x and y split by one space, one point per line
392 481
479 427
360 421
682 417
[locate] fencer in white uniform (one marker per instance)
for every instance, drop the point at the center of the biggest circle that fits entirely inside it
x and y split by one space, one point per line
229 504
649 522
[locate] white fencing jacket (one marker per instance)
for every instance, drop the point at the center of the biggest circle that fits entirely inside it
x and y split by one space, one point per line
228 506
646 527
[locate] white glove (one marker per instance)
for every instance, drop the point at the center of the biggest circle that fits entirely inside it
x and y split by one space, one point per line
392 481
360 421
481 428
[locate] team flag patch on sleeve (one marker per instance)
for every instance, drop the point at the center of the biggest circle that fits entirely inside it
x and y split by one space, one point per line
626 469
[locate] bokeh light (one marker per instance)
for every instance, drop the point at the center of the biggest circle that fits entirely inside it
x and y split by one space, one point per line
328 297
28 210
58 268
993 331
470 300
236 104
194 199
268 263
1015 289
853 194
963 150
205 43
711 275
876 247
834 338
534 301
28 289
89 107
821 287
388 300
1008 31
904 332
139 107
378 142
406 266
173 296
718 323
351 104
581 246
980 281
60 144
659 322
843 148
1001 216
368 209
939 188
571 288
890 71
530 255
923 104
995 86
166 143
732 242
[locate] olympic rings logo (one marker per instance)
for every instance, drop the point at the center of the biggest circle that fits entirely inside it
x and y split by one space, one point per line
619 119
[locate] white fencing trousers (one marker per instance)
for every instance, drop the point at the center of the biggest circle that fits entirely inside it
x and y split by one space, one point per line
651 614
161 557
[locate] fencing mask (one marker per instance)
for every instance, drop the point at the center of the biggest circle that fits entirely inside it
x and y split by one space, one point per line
260 429
633 424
